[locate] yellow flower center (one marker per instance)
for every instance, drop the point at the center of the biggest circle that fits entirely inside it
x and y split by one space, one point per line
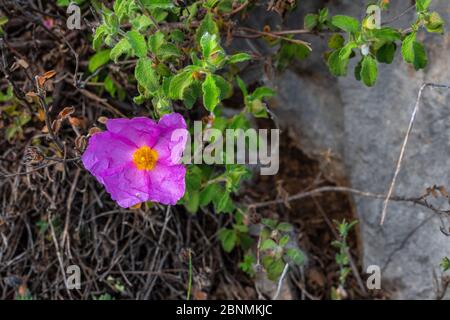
145 158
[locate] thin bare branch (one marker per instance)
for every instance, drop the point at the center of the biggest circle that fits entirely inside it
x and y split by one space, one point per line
405 142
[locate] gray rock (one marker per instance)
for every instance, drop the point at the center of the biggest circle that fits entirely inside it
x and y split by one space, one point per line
364 128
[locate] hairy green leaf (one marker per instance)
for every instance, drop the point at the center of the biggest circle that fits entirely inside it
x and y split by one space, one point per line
386 52
155 41
239 57
228 238
422 5
296 255
268 244
420 56
224 86
158 4
414 52
337 66
98 60
386 34
122 47
211 93
369 71
137 42
407 47
208 25
180 83
336 41
434 23
263 92
146 75
311 21
346 23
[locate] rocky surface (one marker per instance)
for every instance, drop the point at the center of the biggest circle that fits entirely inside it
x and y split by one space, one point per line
362 128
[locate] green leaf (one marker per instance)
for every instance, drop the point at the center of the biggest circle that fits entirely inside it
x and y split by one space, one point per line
168 50
323 15
247 264
296 255
407 47
191 201
99 34
110 87
336 41
369 71
98 60
346 23
434 23
236 173
207 194
192 94
210 3
211 93
224 86
257 108
208 25
284 226
137 42
239 57
239 121
275 269
271 223
180 83
159 14
226 6
284 240
228 238
311 21
177 36
222 203
208 43
157 4
268 244
155 41
386 34
193 178
414 52
120 8
122 47
8 95
386 53
346 51
420 56
141 22
146 75
337 66
358 68
263 92
422 5
66 3
242 86
445 264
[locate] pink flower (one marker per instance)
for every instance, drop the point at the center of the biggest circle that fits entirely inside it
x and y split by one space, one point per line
49 23
139 160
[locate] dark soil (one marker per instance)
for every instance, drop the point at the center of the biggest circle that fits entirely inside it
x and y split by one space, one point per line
313 219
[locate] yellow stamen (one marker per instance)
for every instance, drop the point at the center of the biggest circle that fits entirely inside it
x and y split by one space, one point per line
145 158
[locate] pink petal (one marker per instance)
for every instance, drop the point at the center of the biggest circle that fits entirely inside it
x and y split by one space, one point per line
106 154
172 140
141 131
129 186
167 183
